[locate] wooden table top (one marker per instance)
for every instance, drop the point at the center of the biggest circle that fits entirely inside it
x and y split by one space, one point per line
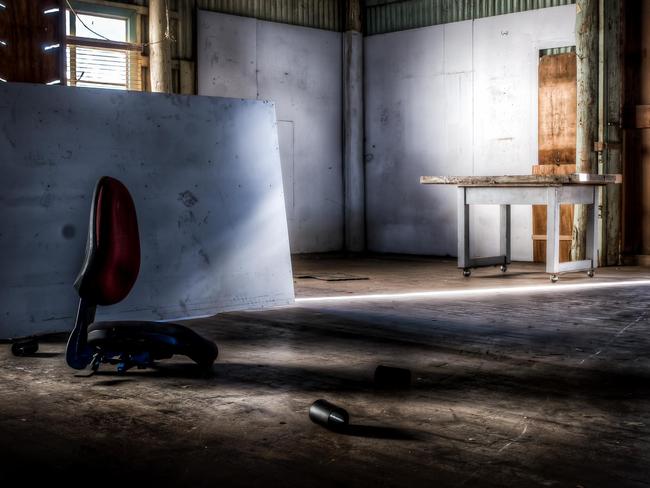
523 180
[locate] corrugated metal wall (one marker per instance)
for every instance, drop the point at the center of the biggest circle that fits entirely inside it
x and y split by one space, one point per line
380 16
322 14
409 14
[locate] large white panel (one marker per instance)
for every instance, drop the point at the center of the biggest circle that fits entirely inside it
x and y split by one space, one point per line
205 177
487 124
418 121
300 70
226 56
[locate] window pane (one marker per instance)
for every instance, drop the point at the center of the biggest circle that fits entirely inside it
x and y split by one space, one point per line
108 27
103 68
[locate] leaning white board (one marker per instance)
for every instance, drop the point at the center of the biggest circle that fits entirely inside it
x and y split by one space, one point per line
206 179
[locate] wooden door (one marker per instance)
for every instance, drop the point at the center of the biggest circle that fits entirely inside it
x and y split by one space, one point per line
557 142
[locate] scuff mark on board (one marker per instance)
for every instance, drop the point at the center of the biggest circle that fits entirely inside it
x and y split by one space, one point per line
187 198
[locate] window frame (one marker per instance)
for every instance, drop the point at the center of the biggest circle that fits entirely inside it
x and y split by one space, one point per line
132 18
100 10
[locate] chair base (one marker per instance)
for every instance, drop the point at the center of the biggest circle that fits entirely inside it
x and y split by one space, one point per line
138 344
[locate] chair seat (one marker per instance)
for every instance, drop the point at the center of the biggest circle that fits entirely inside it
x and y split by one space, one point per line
160 339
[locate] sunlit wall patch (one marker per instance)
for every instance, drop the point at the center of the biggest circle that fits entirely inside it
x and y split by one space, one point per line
476 292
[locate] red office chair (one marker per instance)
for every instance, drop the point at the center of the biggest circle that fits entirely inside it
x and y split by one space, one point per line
108 273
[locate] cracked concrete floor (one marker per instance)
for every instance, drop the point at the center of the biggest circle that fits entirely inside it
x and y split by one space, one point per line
543 388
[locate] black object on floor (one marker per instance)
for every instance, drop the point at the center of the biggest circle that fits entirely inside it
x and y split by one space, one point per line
24 347
109 271
390 377
328 415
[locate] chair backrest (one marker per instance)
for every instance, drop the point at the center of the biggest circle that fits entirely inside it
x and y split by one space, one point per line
112 258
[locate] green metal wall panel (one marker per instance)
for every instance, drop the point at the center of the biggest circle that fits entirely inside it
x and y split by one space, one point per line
391 16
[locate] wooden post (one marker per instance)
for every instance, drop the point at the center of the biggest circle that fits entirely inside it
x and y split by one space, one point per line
160 55
587 110
353 16
353 164
613 128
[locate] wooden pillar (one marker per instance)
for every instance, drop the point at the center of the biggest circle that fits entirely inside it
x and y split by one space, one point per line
187 62
635 71
613 159
587 110
353 164
160 54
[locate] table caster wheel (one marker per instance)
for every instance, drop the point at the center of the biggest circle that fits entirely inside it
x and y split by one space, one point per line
24 348
554 278
504 268
590 273
467 272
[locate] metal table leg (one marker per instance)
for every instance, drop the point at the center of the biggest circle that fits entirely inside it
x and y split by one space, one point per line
463 231
504 235
591 248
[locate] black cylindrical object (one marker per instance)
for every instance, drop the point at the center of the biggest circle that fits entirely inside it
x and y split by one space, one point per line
328 415
24 347
389 377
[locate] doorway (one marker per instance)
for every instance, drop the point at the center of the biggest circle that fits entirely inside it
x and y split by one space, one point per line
557 108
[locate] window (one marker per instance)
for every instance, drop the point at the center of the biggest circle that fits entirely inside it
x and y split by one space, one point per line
99 52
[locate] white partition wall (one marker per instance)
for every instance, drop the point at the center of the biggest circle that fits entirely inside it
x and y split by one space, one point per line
454 99
205 177
299 69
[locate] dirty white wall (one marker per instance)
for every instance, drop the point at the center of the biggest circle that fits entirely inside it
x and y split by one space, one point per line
454 99
205 177
299 69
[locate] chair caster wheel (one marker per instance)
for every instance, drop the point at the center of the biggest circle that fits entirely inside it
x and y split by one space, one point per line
590 273
24 348
554 278
467 272
504 268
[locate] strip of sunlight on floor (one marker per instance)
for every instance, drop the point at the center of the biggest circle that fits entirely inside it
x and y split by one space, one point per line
478 292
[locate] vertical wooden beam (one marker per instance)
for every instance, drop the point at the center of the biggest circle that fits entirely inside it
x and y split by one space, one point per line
353 164
613 160
353 18
587 110
160 54
634 60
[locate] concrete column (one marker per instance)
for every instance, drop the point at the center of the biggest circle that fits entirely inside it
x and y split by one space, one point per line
160 52
587 115
353 164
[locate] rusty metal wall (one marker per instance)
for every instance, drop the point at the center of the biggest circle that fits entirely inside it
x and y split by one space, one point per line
391 16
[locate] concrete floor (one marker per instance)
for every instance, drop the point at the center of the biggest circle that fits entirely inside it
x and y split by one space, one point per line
546 387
